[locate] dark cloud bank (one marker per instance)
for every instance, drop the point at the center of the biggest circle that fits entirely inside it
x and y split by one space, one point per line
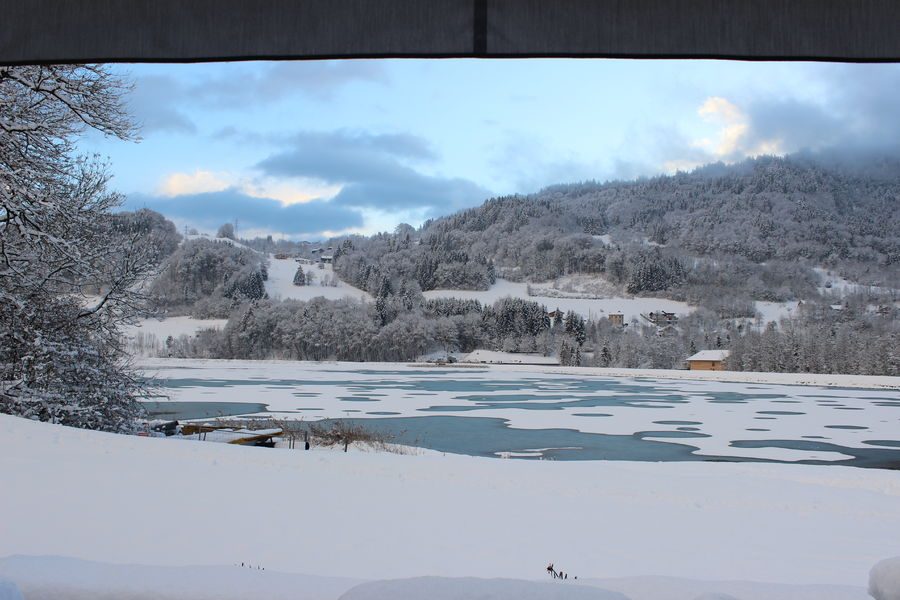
373 170
211 209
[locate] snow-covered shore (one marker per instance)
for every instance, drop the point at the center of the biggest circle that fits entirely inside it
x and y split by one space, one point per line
125 499
820 379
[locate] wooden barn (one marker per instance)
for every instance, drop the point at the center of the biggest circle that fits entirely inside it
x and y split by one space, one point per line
708 360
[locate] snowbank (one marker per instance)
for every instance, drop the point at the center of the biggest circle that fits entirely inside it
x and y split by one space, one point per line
440 588
884 580
675 588
58 578
509 358
137 500
9 590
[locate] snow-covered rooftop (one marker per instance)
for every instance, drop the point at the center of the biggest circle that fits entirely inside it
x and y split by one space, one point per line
710 355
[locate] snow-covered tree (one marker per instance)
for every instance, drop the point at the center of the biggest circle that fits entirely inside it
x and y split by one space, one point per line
70 271
226 231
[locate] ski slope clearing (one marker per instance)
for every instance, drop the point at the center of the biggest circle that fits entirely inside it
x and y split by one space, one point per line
593 308
133 500
280 284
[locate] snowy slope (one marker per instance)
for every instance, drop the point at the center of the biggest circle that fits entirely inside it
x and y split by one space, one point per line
281 283
58 578
674 588
139 500
588 307
441 588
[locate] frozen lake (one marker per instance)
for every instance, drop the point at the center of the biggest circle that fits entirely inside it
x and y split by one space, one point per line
494 411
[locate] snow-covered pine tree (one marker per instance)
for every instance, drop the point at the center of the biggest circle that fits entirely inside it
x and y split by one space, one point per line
61 358
299 276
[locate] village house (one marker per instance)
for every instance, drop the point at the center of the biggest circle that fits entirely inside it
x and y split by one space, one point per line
617 319
708 360
556 316
661 318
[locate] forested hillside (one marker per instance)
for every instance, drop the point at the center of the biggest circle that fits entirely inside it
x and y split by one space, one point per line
722 238
754 228
209 278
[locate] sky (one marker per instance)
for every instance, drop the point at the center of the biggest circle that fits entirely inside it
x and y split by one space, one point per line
310 149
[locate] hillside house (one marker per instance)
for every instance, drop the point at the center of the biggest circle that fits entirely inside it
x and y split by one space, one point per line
661 318
617 319
326 259
556 316
708 360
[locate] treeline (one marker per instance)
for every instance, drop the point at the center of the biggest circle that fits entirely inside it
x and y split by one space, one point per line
321 329
818 338
822 339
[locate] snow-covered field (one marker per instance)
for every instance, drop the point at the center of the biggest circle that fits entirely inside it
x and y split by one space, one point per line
148 337
173 326
280 284
373 516
594 308
691 417
515 358
775 311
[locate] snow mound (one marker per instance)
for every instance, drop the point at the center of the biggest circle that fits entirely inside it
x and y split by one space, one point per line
62 578
466 588
509 358
884 579
677 588
9 590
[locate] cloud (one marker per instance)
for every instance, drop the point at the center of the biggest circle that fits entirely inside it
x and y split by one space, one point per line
261 84
847 108
287 192
198 182
372 171
151 103
159 101
210 209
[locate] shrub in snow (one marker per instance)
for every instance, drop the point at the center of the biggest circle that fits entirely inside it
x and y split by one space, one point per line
884 580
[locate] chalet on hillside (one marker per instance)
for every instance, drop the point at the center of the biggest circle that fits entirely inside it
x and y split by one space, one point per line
556 316
617 319
661 318
708 360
